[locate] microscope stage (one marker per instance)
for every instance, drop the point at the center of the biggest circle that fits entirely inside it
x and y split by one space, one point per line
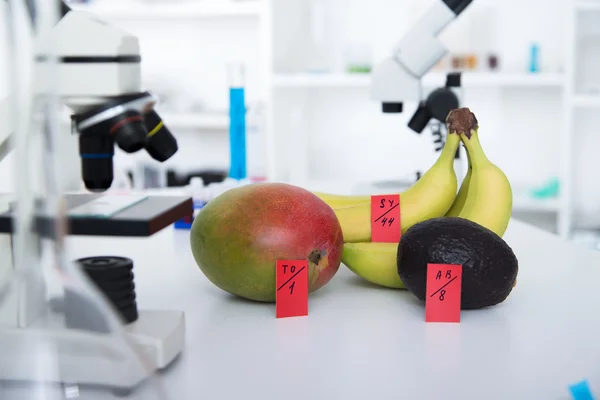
142 218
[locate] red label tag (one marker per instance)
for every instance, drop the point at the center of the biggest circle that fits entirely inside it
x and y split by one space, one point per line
292 288
385 219
442 302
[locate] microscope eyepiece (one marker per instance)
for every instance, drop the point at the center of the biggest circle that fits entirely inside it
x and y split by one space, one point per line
420 118
160 143
392 108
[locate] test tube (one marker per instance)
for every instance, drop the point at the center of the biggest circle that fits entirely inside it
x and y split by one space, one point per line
237 121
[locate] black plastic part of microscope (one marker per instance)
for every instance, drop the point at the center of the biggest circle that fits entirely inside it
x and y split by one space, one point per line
453 79
64 8
129 131
437 105
439 137
440 102
457 6
107 268
160 144
96 151
96 146
113 277
110 102
392 108
420 118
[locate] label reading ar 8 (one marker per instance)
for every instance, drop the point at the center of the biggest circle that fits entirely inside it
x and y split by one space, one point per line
443 291
385 219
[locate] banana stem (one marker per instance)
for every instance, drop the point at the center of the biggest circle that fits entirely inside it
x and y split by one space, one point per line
475 151
449 150
469 163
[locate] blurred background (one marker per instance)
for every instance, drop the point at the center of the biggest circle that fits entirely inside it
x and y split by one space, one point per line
531 75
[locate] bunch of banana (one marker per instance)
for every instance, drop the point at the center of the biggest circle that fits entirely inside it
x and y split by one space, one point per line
336 201
374 262
430 197
485 196
463 192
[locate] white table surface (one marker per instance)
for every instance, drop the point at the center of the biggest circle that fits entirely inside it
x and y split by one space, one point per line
361 341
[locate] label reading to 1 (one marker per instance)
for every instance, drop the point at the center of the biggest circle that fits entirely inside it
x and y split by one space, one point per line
292 270
292 288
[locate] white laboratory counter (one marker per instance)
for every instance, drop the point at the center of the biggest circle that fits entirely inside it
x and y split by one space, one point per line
365 342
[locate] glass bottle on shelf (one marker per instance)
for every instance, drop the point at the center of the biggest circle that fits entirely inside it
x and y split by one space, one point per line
257 155
318 56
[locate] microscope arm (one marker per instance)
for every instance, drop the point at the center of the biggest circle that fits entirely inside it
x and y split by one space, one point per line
397 79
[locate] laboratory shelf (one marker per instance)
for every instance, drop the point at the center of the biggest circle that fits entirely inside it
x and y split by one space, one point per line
177 10
204 121
587 5
469 79
586 100
514 79
531 204
321 80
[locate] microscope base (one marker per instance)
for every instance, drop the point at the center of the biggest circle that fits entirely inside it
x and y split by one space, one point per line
160 333
88 358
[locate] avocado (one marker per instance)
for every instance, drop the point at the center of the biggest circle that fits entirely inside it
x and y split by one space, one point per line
489 266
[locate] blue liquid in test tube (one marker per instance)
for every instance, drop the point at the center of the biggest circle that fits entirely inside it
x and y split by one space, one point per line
534 58
237 123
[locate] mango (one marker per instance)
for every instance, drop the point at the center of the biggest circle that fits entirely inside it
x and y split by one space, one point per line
237 238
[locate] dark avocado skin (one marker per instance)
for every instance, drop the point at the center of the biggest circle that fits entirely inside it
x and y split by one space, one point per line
489 266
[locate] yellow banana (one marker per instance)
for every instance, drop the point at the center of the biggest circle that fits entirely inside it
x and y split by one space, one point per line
374 262
489 199
461 197
430 197
340 201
